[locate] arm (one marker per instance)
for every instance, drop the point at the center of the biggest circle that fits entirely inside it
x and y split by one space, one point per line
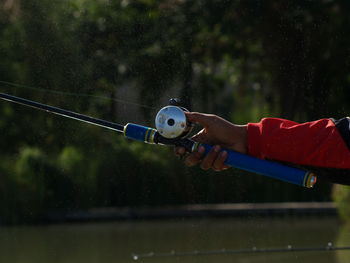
321 143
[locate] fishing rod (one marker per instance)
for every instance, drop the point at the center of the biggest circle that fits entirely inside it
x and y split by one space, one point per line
253 250
172 127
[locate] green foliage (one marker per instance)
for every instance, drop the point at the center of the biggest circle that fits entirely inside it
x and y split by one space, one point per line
30 181
240 59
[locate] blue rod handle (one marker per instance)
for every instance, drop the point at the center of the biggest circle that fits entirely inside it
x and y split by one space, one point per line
267 168
234 159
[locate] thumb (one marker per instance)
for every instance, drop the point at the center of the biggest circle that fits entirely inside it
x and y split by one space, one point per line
202 137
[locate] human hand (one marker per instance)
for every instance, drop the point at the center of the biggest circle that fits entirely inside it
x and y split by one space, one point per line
217 132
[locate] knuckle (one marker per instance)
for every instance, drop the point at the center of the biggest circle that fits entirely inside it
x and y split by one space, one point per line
189 163
191 160
218 166
179 150
216 169
197 155
212 155
219 163
204 166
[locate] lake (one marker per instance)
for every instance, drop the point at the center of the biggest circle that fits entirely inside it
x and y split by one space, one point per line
116 241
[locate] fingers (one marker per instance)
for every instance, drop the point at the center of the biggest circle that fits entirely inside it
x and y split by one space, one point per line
179 151
195 157
209 159
215 159
191 159
219 163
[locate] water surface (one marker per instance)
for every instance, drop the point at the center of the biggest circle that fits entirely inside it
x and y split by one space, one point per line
116 241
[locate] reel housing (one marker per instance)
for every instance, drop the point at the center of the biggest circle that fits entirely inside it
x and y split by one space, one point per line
171 122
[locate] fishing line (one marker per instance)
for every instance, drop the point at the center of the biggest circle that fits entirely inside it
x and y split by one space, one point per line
65 93
252 250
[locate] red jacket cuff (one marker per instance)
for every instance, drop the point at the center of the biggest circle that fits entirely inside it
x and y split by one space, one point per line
254 139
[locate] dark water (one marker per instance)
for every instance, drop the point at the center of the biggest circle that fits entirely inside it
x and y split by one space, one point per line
115 242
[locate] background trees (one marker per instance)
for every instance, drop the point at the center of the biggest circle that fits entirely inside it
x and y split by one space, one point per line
239 59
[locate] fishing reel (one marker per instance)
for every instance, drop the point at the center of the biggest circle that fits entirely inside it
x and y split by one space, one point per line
171 121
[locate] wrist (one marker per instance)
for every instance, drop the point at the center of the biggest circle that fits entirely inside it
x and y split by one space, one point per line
240 138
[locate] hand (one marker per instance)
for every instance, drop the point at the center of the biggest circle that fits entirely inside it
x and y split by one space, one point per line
217 132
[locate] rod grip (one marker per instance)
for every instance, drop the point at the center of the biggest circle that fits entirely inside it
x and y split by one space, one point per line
266 168
241 161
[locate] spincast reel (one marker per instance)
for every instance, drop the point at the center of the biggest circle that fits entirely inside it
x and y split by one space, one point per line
171 121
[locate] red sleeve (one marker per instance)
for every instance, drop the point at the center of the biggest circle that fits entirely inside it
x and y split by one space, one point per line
317 143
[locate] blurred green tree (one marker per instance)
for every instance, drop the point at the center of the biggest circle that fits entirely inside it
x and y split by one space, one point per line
239 59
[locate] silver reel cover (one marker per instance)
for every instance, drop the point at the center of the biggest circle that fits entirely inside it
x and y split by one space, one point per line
171 122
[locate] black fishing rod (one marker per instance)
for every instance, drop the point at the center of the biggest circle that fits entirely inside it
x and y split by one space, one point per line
172 129
130 130
65 113
253 250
